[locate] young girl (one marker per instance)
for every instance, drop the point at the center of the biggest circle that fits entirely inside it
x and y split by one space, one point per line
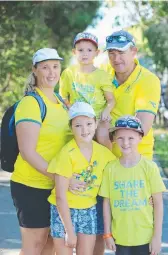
84 82
73 215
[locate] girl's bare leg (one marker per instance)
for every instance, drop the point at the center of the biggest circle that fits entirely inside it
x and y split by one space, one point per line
85 244
99 245
60 248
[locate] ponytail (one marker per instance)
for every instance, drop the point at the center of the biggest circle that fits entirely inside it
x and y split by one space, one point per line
31 83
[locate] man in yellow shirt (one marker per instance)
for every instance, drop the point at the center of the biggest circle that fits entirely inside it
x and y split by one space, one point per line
136 89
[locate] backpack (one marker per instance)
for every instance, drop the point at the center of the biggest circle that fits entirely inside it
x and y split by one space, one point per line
9 145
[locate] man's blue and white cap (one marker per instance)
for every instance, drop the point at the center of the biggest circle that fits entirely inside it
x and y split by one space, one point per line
45 54
120 40
81 109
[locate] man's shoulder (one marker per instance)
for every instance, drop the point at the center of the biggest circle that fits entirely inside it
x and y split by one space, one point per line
147 74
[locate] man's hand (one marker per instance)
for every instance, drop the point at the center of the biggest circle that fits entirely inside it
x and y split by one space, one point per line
105 116
110 244
155 245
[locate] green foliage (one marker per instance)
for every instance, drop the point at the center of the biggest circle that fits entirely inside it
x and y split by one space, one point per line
157 35
26 26
161 150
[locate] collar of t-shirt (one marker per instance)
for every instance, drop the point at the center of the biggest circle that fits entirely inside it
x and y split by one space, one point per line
133 76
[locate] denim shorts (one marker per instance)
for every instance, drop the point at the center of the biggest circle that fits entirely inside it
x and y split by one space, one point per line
84 221
99 209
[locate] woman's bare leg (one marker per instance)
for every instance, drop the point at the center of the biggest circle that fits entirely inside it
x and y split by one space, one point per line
33 240
49 248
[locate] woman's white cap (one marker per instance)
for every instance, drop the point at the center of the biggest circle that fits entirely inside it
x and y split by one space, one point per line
45 54
81 109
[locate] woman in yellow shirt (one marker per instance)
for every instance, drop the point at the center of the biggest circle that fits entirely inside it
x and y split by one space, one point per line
38 143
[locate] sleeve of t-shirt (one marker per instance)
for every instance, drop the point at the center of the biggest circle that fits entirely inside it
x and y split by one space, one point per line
61 164
64 84
106 82
148 96
155 180
105 185
28 110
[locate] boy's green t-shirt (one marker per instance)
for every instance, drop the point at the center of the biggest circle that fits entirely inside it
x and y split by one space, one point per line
129 190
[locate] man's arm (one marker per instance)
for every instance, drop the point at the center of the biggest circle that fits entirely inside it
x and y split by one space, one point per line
155 245
147 120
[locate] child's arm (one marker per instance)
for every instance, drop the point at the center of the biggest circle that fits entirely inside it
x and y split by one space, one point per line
155 245
107 225
62 185
110 105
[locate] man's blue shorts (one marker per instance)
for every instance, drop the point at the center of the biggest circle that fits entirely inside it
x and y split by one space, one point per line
99 209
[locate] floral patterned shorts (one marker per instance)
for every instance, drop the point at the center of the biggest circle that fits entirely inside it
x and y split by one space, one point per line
84 221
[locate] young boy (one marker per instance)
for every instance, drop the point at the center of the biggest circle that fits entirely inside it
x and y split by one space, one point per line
128 183
74 215
84 82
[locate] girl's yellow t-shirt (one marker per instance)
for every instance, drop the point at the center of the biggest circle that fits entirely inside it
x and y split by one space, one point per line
71 161
54 134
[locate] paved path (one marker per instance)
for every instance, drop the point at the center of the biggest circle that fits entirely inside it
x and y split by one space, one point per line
9 231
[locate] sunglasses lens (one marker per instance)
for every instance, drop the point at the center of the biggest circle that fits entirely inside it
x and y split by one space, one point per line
133 124
121 123
121 38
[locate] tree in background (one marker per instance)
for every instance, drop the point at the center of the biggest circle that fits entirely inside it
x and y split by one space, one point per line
27 26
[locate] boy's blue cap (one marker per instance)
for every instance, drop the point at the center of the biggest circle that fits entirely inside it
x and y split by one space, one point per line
45 54
81 109
85 36
120 40
128 122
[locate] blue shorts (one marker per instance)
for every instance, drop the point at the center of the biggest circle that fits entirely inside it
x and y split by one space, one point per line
84 221
99 209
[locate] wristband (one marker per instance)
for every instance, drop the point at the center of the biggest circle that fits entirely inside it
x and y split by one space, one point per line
105 236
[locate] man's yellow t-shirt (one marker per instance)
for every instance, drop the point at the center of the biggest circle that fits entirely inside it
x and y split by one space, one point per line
139 93
129 190
71 161
54 134
86 87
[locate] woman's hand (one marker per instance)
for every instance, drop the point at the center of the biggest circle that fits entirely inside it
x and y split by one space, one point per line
76 185
70 240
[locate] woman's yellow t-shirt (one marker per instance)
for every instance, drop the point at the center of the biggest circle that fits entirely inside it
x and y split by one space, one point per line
54 134
71 161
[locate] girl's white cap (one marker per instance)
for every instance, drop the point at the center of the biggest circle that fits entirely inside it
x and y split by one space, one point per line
81 109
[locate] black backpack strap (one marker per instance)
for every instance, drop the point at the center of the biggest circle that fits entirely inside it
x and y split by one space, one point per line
40 101
62 101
